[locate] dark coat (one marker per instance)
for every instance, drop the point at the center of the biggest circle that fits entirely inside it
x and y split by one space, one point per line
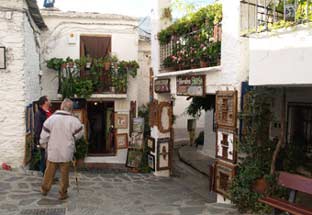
40 117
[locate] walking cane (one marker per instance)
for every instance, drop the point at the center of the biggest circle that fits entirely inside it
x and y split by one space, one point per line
75 172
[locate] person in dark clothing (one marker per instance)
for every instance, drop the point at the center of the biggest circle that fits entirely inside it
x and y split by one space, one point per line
40 117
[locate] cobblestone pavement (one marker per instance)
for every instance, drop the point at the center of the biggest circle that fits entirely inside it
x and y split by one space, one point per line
105 193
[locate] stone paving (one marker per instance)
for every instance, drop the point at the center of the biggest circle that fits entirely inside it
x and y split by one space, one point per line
105 193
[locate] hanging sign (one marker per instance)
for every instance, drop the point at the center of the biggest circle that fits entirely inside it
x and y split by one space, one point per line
191 85
162 86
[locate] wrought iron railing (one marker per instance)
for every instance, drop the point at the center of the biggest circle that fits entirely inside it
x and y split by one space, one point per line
263 15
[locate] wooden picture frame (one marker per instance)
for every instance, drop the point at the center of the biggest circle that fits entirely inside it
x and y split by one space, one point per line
121 121
224 174
162 86
164 110
2 57
153 113
121 141
163 155
150 144
28 148
226 141
226 109
134 158
151 161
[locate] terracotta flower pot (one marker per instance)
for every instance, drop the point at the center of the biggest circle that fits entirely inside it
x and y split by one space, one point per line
260 185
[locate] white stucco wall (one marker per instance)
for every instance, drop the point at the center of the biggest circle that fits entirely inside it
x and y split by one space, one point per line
144 71
282 57
32 64
19 83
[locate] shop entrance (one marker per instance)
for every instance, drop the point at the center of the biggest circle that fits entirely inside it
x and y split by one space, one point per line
100 128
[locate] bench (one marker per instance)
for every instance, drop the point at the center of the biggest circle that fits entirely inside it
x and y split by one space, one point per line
294 183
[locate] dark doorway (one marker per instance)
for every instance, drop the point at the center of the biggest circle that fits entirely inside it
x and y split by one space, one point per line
100 129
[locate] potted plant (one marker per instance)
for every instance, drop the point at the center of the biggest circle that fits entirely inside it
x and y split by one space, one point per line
81 150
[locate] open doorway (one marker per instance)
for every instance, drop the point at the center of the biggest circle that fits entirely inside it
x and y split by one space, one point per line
100 129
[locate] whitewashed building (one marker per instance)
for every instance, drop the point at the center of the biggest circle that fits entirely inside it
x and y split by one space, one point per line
20 27
29 43
72 34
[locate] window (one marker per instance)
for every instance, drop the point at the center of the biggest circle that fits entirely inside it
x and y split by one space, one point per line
95 46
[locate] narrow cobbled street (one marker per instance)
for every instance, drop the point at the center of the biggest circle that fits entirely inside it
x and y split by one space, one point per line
102 192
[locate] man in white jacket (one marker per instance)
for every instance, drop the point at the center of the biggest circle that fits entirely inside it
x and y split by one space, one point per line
59 133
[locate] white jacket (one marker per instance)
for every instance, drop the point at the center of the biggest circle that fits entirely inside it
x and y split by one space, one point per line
60 132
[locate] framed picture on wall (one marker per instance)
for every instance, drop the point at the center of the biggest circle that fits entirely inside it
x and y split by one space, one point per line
151 161
153 113
134 158
121 121
164 117
163 160
150 142
121 141
226 109
224 173
137 140
226 145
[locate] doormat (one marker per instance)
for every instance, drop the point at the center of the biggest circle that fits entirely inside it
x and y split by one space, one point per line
44 211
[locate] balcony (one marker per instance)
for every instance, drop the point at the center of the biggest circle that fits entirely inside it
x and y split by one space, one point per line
268 15
192 42
95 78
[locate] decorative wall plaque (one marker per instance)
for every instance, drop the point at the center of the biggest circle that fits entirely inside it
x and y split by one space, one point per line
153 113
226 109
226 145
121 121
121 141
162 86
150 144
191 85
224 174
163 160
164 117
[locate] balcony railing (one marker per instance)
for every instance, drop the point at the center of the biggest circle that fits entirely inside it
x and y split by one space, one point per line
264 15
82 82
194 49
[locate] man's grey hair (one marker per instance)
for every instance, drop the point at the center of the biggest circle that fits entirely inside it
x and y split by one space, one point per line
67 105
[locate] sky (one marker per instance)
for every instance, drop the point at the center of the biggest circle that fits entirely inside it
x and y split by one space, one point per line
138 8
